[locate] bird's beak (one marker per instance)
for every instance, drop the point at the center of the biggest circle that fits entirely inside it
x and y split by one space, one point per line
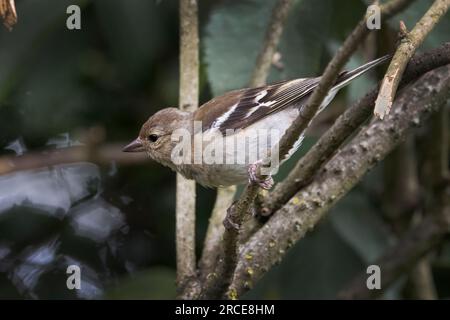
135 146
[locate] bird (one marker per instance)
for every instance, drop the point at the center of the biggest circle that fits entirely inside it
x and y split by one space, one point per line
230 138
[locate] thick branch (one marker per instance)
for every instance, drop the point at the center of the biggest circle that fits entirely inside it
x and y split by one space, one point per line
343 127
273 35
267 246
416 243
185 197
405 51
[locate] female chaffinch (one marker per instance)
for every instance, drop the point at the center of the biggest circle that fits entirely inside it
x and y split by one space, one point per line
243 129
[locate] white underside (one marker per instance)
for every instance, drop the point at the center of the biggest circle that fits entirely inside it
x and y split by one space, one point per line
248 146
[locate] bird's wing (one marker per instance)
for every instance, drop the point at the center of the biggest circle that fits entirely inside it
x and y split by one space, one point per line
239 109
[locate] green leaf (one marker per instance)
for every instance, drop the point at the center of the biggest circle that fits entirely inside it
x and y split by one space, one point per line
235 33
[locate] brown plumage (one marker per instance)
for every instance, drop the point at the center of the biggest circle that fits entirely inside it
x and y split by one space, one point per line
233 117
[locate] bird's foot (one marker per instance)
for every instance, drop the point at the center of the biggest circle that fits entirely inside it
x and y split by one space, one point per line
254 176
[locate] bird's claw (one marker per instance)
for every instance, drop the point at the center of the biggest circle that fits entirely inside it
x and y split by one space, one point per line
265 182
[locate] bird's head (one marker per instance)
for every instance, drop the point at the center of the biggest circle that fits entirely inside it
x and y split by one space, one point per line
155 136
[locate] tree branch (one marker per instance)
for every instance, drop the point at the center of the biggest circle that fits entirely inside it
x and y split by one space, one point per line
404 255
343 127
103 155
401 200
213 239
435 152
401 195
416 243
420 284
331 73
185 198
405 51
219 258
434 168
218 282
308 112
269 244
8 13
273 35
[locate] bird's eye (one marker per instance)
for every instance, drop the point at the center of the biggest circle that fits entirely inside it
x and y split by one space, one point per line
152 138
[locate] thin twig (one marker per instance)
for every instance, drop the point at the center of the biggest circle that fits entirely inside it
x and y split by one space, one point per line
405 51
231 236
185 198
420 284
271 40
213 239
401 196
269 244
401 203
103 155
218 281
343 127
435 151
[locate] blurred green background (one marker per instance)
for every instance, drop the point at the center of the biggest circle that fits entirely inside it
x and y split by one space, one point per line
116 220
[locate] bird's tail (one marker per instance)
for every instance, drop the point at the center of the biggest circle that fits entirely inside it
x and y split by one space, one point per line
346 76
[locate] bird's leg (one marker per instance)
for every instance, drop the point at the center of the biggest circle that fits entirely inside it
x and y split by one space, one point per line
228 222
254 176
